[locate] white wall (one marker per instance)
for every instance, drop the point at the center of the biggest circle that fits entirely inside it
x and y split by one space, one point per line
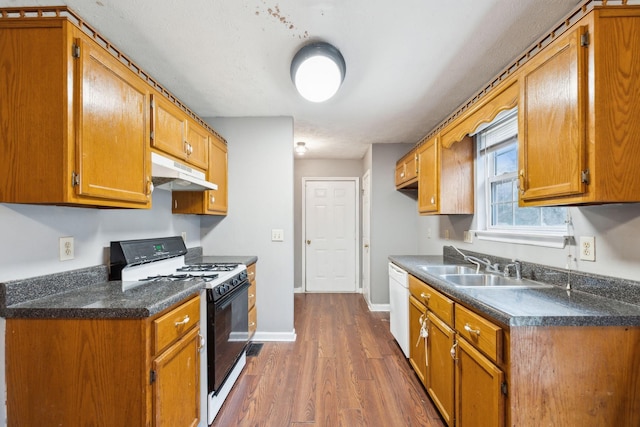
393 216
30 234
260 199
312 168
616 229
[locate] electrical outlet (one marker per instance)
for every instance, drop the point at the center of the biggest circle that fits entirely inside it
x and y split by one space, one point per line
588 248
277 235
66 249
468 236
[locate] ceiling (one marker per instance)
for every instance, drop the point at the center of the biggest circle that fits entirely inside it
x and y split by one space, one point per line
410 63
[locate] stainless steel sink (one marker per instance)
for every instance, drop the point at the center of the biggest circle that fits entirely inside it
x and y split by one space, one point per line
439 270
491 281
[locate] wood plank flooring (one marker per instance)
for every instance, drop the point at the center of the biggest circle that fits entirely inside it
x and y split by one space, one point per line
344 369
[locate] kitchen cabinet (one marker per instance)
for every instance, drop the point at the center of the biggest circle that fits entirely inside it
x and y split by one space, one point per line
479 382
580 99
253 310
437 363
445 177
407 171
211 202
78 371
417 341
78 130
175 133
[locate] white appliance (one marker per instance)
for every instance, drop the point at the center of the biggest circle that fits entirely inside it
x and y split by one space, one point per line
399 306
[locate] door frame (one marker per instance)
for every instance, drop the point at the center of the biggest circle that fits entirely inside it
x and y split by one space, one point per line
357 195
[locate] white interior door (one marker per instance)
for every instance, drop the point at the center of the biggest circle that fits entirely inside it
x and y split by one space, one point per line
366 220
330 235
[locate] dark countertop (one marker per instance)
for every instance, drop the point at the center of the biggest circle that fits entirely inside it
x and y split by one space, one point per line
528 307
87 293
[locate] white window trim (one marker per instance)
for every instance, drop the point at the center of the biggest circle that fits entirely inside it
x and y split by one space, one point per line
551 238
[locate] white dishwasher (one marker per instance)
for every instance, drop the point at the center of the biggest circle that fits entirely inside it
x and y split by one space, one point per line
399 306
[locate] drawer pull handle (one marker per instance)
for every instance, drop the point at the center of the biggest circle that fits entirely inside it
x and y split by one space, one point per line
425 296
183 321
471 330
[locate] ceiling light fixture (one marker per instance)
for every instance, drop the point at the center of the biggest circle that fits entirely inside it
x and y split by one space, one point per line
318 70
301 148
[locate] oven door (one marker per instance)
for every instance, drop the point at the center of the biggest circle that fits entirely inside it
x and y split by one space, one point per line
227 333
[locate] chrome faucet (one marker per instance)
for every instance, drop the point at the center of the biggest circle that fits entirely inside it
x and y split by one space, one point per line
489 268
517 265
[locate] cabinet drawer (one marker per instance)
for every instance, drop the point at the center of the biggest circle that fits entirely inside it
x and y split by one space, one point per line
483 334
436 302
253 321
252 295
172 325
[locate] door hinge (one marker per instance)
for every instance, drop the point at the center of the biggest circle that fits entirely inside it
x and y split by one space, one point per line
503 388
584 177
584 39
75 50
75 179
152 376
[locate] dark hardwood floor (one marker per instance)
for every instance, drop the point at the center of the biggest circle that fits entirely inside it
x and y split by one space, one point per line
344 369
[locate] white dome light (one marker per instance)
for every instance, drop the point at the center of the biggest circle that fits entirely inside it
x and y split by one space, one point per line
317 71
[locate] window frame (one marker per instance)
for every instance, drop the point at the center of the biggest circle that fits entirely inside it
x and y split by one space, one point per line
548 236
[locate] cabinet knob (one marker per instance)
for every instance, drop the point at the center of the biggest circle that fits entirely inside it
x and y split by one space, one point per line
453 350
251 296
425 296
308 242
521 181
201 344
433 200
213 199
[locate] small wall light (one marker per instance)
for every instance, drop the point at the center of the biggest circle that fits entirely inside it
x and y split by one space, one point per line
301 148
318 70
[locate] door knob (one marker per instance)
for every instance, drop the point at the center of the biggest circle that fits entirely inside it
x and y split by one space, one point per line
308 242
366 245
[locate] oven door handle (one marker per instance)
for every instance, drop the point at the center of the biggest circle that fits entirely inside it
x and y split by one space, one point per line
227 302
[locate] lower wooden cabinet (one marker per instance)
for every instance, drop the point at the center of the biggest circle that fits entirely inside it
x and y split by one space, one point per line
417 354
253 311
105 372
478 396
440 369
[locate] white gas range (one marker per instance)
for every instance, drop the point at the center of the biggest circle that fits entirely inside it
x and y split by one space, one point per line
224 306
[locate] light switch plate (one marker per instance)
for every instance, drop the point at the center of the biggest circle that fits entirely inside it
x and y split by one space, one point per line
277 235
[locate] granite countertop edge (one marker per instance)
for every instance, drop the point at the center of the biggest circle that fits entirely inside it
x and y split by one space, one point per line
87 293
607 312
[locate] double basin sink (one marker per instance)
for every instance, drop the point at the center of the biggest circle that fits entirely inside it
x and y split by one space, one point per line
462 276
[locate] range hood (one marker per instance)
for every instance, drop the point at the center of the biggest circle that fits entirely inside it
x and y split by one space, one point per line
168 174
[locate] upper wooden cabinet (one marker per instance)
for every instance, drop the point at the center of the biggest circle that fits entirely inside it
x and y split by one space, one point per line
578 115
407 171
445 177
76 130
175 133
211 202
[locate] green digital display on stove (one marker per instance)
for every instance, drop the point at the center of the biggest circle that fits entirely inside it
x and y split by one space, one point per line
158 247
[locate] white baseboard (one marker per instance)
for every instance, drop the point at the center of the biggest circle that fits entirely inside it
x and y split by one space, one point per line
378 307
275 336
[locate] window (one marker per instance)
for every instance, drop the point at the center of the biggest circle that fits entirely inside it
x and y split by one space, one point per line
497 168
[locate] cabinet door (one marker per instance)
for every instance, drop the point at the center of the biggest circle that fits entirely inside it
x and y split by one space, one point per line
478 394
169 126
217 199
440 367
197 145
417 358
176 390
552 116
428 176
113 128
